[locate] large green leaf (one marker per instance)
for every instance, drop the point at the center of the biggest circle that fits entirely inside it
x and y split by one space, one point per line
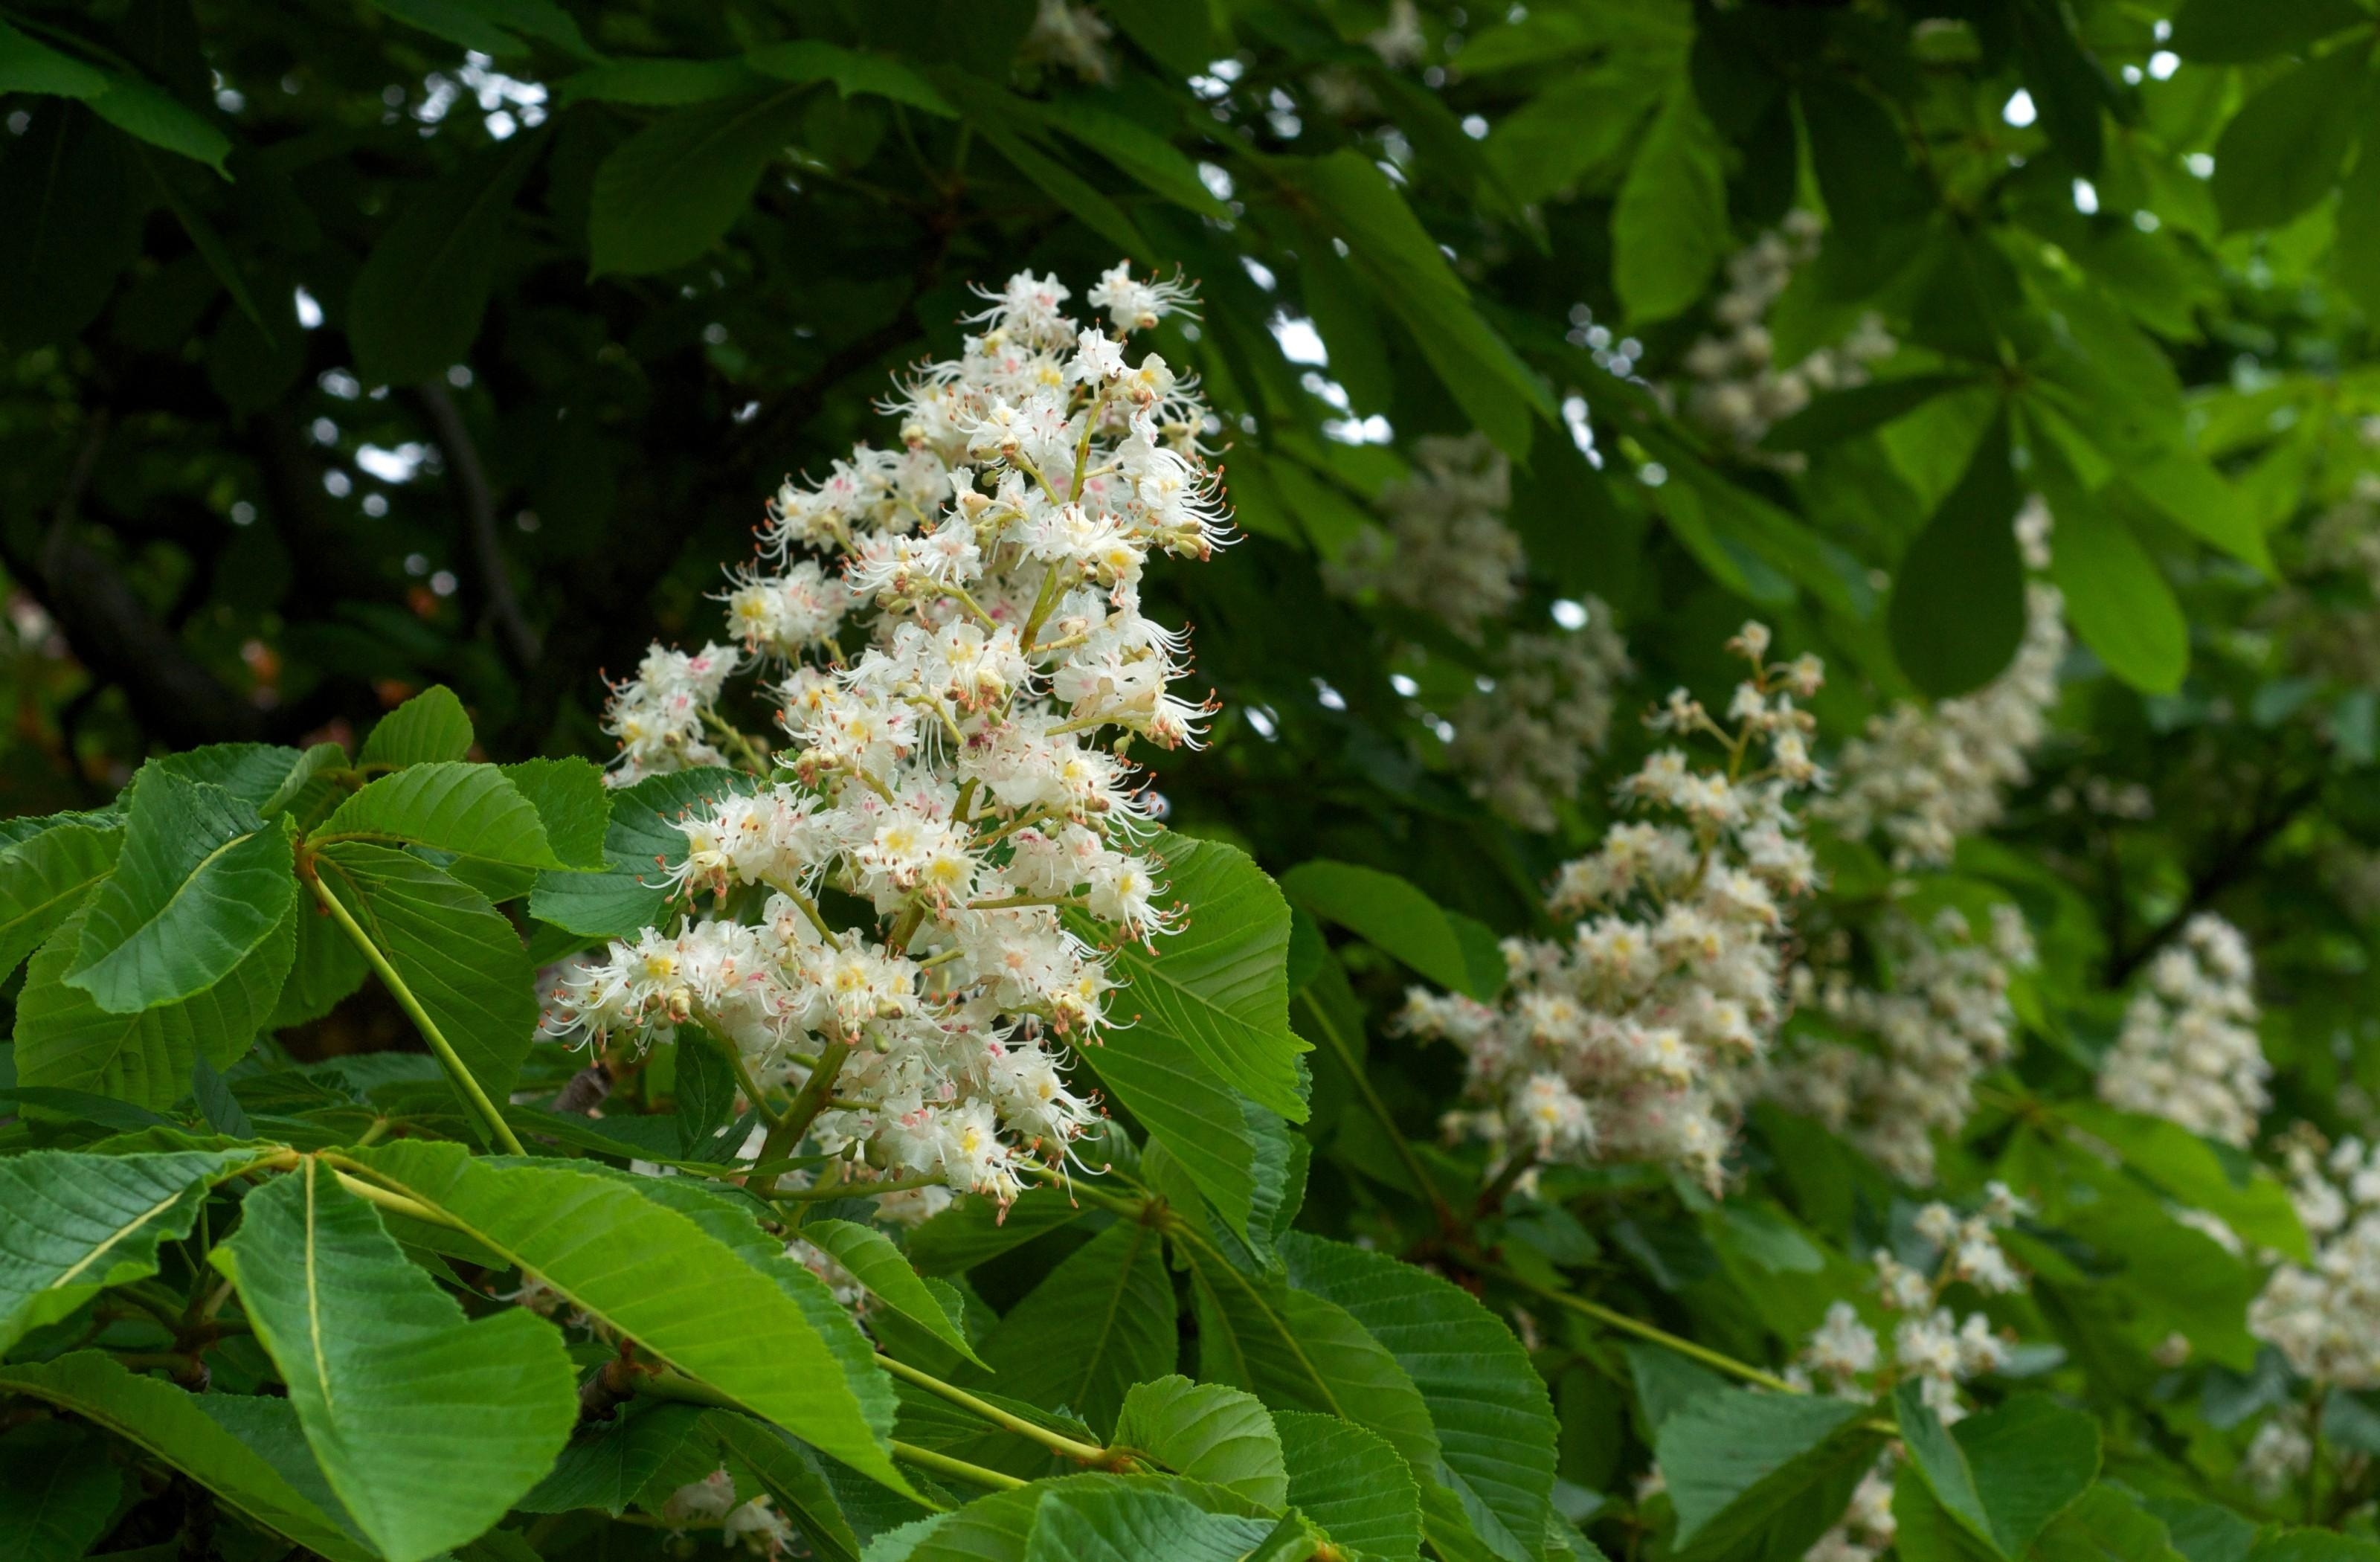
64 1040
2116 598
1352 1483
200 881
1389 912
2235 32
606 1464
430 726
1148 1516
1187 1109
1761 1474
851 70
58 1490
2108 1524
641 845
798 1488
674 188
419 297
469 809
1494 1423
2282 152
428 1424
44 878
175 1427
458 955
573 804
2249 1199
1081 1522
1668 228
77 1225
655 1274
1220 986
1100 1322
1958 598
2006 1473
1207 1432
876 1263
974 1227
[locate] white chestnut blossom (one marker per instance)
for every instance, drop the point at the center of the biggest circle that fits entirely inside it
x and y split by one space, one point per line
2325 1317
2188 1050
1638 1037
1921 778
963 664
1526 737
1734 385
709 1503
1940 1022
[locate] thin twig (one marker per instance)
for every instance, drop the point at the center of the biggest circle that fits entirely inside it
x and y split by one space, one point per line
478 502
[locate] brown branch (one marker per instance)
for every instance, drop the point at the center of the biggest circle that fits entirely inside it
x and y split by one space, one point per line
2233 863
492 577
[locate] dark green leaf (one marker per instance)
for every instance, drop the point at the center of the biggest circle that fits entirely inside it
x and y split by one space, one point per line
851 70
1841 415
2281 152
2006 1473
2235 32
420 295
1388 911
1352 1483
430 726
572 802
1766 1472
1208 1432
1078 1522
975 1227
1098 1324
674 188
876 1263
642 845
1958 599
43 879
57 1492
1669 229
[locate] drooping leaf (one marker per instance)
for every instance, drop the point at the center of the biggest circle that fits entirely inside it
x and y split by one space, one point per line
2107 1524
605 1464
174 1426
469 809
2282 152
79 1224
1119 1522
66 1040
800 1491
851 70
458 955
1761 1474
655 1274
58 1490
2235 32
876 1263
673 188
430 726
1495 1424
420 295
573 804
975 1227
1186 1108
2116 598
1388 911
1208 1432
43 879
1958 598
2006 1473
1669 230
641 846
1350 1483
428 1425
1100 1322
199 883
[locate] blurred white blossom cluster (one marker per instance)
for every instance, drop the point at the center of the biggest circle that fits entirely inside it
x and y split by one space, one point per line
963 774
2188 1050
1637 1039
1526 737
1921 778
1735 387
1072 37
1929 1343
709 1503
1942 1020
2325 1317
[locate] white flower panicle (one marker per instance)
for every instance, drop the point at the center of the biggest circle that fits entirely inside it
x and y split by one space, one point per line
1736 388
1929 1343
1446 551
1072 37
709 1503
1637 1039
1526 739
1923 778
963 774
2325 1317
2188 1051
1940 1024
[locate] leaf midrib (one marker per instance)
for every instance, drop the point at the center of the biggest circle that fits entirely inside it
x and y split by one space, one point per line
159 915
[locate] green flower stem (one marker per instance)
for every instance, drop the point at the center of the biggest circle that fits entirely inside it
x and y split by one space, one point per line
785 1134
959 1470
1423 1183
464 1085
1057 1443
1643 1330
855 1189
397 1203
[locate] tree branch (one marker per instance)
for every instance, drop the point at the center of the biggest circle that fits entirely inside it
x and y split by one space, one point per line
493 578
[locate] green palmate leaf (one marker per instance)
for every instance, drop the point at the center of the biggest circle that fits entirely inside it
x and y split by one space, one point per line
673 188
2249 1200
1001 124
469 809
641 846
420 295
145 110
1186 1108
1495 1424
426 1424
606 1464
1958 599
79 1224
254 772
1208 1432
573 804
176 1428
876 1263
793 1482
2003 1474
851 70
430 726
2235 31
1350 1483
1761 1474
28 66
1123 1523
1219 987
2282 152
1098 1324
2116 598
57 1492
1669 228
44 879
1389 912
327 968
1844 414
660 1277
2280 1543
974 1229
2107 1524
66 1040
1001 1527
1138 152
199 883
458 955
